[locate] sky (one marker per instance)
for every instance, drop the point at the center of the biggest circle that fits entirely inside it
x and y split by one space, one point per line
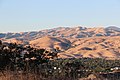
31 15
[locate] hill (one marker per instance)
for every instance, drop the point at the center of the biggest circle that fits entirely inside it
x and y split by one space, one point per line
64 32
51 43
72 41
102 47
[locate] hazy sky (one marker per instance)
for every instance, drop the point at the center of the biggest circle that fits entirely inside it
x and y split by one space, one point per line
26 15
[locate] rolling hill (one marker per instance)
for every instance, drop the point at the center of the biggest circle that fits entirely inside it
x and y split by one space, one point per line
102 47
73 42
64 32
51 43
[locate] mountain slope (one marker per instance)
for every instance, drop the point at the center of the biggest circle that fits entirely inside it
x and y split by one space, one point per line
73 42
64 32
103 47
51 42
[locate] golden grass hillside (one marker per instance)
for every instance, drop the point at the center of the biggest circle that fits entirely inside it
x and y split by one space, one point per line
103 47
50 43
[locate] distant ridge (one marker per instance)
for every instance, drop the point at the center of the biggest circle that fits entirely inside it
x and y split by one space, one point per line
65 32
113 28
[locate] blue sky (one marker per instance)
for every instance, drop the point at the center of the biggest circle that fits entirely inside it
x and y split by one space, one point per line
27 15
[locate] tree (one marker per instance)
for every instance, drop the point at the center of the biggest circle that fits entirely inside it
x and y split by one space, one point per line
0 42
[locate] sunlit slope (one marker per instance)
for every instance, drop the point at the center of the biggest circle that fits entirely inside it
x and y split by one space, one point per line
51 43
103 47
